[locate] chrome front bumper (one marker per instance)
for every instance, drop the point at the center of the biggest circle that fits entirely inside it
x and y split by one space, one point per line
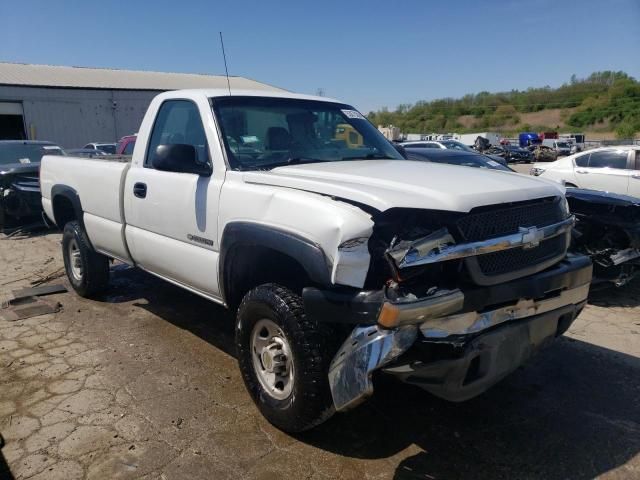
370 348
474 322
367 349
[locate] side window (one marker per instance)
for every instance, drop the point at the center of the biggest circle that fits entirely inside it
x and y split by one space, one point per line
609 158
128 149
637 159
178 122
582 161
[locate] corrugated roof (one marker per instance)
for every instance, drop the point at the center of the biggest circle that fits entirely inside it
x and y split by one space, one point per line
81 77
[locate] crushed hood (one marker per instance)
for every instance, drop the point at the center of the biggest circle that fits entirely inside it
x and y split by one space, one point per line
385 184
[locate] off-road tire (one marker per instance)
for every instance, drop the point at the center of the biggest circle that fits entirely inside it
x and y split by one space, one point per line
95 275
313 346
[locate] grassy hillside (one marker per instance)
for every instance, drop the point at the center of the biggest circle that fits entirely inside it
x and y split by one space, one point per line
603 102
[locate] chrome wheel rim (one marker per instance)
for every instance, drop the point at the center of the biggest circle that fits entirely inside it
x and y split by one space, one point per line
272 359
75 260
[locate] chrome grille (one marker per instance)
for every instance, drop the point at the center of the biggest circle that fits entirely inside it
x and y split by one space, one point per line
495 221
484 223
499 263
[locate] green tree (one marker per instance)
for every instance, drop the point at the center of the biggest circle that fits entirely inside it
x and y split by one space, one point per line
626 130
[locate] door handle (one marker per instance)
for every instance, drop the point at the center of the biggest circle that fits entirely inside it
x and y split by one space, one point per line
140 190
581 171
637 177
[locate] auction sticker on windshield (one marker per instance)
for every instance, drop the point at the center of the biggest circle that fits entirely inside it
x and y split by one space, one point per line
352 114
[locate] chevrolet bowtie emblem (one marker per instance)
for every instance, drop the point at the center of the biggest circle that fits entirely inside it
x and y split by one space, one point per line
531 236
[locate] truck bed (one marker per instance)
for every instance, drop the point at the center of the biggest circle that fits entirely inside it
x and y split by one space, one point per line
99 184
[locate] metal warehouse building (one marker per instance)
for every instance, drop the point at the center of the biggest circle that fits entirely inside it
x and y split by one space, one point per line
73 106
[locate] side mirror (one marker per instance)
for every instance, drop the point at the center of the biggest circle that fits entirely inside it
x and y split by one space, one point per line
180 158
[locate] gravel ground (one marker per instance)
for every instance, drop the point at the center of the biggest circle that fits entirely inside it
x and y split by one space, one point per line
142 383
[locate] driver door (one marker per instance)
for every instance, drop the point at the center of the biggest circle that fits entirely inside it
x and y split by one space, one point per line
172 216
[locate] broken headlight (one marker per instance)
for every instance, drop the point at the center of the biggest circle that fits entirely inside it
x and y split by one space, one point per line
399 226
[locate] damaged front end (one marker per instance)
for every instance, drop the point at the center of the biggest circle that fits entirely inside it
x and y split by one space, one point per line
608 230
439 281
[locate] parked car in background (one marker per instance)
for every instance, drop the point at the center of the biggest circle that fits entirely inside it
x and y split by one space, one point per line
611 169
577 141
608 230
340 259
108 148
451 145
511 153
542 153
126 144
456 157
562 147
86 152
19 183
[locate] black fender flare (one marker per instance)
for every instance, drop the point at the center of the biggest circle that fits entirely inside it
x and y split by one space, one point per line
307 253
71 195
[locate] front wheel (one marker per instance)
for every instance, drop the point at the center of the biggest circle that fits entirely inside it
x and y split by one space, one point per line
87 270
284 358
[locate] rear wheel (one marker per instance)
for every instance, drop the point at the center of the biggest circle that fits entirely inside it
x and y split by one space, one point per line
284 358
87 270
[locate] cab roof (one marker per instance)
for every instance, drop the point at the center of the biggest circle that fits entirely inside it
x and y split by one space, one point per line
223 92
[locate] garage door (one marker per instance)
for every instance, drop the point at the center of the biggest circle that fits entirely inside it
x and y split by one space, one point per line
11 121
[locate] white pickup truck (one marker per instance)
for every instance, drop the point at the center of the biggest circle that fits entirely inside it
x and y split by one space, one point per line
341 257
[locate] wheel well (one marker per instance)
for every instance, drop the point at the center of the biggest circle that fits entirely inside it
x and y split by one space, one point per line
63 211
247 266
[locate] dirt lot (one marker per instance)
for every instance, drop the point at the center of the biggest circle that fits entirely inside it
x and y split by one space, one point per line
142 383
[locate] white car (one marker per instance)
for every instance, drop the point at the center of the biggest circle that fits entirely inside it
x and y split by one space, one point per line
612 169
108 148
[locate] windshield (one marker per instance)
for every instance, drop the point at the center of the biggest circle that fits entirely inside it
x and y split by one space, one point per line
562 145
262 132
26 152
453 145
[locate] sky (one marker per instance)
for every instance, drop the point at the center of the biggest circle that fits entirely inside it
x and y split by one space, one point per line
370 54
